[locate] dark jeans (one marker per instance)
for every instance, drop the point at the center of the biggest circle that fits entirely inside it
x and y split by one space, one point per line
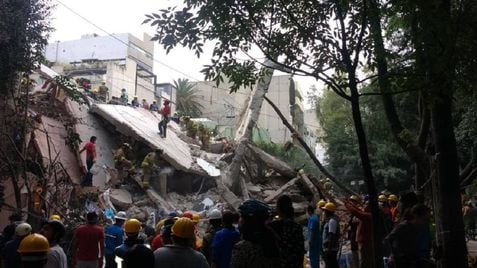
330 258
163 126
110 262
89 163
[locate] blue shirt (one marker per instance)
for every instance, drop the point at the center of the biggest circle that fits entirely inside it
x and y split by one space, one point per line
113 238
224 241
314 227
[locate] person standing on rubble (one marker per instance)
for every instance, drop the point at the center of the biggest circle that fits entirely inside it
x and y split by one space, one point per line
154 107
114 236
133 251
331 236
90 149
151 164
135 102
290 234
122 163
124 97
103 92
313 236
88 244
166 113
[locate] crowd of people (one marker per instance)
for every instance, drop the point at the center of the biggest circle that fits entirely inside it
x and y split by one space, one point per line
254 236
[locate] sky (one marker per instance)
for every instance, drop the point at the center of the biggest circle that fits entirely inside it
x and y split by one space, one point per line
121 16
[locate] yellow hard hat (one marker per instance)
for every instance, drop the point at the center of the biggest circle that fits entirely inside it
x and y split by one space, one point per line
393 197
34 243
355 198
195 218
184 228
159 225
55 217
330 207
382 198
321 203
132 226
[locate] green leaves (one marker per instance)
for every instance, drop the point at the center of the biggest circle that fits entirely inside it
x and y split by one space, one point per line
187 103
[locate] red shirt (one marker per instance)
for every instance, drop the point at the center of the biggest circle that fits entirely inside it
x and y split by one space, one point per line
156 243
88 237
166 110
90 150
364 233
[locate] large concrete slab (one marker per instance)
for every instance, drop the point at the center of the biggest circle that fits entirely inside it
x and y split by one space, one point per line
141 125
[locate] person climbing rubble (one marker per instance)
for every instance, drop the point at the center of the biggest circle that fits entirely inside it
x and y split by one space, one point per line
204 137
90 149
152 164
165 113
124 166
103 92
133 251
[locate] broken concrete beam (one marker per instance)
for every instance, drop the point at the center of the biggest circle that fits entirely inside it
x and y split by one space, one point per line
156 198
120 198
254 189
226 194
278 192
272 162
310 186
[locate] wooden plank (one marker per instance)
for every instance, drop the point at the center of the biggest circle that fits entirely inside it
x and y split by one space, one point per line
281 190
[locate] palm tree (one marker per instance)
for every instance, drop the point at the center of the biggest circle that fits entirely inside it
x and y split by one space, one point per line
187 100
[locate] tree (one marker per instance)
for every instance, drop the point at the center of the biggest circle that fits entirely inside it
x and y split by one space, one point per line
187 100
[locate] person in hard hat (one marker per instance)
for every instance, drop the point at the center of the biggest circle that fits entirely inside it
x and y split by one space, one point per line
154 107
133 251
386 212
313 235
124 97
145 104
135 102
290 234
352 227
331 236
215 224
33 251
164 235
10 255
259 246
55 217
224 241
410 240
393 204
88 243
198 240
181 253
166 114
90 149
364 232
54 231
114 237
123 163
152 164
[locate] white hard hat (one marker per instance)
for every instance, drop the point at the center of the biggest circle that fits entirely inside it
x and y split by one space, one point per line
121 216
23 229
215 214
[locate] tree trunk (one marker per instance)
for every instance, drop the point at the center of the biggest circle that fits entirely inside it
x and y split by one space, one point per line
244 132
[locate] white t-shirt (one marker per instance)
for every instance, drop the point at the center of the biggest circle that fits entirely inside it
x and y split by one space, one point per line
332 226
56 258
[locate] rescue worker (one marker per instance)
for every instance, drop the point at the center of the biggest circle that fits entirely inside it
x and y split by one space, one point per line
180 254
55 217
224 241
124 97
122 164
386 211
114 236
154 107
290 234
215 224
33 251
393 202
364 232
331 235
164 234
352 232
103 92
204 137
135 102
151 164
90 149
133 251
259 246
88 243
313 236
166 113
54 230
10 255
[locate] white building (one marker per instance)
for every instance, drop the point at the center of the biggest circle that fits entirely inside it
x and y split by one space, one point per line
119 60
224 108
